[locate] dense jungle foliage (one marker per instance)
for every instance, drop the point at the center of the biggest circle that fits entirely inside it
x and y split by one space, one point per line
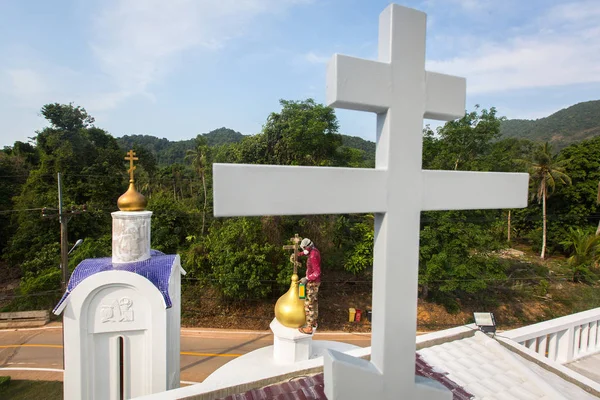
242 258
567 126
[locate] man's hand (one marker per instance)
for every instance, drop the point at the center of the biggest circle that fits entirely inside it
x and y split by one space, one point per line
303 280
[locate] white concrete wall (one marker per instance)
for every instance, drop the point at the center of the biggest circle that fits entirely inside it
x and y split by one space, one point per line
115 304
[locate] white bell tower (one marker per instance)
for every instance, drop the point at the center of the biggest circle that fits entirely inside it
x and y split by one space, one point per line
121 314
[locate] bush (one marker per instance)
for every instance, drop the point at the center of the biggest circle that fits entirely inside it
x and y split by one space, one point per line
91 248
39 291
242 262
172 223
49 256
4 382
585 254
360 258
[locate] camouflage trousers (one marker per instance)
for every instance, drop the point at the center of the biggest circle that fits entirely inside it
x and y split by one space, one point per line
311 304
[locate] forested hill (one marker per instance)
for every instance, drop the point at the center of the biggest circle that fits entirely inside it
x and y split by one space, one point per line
361 144
170 152
567 126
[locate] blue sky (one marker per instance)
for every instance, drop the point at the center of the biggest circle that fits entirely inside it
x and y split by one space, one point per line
178 68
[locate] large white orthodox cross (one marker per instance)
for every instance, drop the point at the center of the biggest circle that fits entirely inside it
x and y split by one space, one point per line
402 93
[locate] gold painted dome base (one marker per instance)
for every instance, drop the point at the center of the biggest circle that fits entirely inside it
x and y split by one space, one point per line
132 200
289 309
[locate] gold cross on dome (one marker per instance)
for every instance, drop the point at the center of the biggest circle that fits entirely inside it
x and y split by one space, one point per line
131 158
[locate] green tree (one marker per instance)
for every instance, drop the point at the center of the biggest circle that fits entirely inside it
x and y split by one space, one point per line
454 254
546 170
92 167
241 258
465 141
598 201
585 254
14 169
360 256
172 222
302 133
200 159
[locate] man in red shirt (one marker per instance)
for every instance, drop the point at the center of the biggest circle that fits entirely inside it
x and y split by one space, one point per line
312 281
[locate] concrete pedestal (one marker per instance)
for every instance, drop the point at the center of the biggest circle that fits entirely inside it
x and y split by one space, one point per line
131 236
289 344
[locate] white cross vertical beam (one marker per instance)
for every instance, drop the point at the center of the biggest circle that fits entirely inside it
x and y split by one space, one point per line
397 231
399 89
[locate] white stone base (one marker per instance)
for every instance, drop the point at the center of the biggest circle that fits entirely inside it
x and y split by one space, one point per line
130 236
257 365
260 364
289 344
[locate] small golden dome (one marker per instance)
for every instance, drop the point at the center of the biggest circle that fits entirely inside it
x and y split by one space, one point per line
132 200
289 309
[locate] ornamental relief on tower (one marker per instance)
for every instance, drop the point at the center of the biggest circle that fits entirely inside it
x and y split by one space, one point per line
116 310
130 239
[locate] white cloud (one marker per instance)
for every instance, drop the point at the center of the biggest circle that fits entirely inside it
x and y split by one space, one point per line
466 5
134 44
561 48
313 58
26 84
471 5
138 41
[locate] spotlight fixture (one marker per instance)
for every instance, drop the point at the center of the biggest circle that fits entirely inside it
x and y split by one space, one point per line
485 321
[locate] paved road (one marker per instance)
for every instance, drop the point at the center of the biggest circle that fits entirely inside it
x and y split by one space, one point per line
202 350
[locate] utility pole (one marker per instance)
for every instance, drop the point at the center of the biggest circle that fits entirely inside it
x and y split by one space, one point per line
63 218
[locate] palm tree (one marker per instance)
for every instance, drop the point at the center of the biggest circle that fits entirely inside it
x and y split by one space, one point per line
598 201
199 157
585 253
545 170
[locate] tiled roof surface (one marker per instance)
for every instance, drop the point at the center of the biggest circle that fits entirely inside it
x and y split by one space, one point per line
303 388
424 369
487 370
311 387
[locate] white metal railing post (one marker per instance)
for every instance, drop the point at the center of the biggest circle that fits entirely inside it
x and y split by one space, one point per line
565 345
594 345
562 339
576 341
552 346
542 344
585 336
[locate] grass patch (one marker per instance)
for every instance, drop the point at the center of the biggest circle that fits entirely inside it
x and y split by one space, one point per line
33 390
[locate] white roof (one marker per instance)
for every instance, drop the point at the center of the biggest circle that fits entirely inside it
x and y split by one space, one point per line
487 370
588 366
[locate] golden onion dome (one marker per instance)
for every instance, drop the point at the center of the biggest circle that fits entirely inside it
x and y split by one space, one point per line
132 200
289 309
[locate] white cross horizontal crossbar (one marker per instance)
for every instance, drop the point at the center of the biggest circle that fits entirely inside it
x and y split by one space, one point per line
478 190
367 85
281 190
247 190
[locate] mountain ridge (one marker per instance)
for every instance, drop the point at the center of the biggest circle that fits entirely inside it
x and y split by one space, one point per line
569 125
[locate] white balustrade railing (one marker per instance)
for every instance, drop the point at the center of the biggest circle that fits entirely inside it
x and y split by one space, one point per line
562 339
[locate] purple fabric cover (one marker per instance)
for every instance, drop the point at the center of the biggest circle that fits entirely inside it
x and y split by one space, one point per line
157 269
